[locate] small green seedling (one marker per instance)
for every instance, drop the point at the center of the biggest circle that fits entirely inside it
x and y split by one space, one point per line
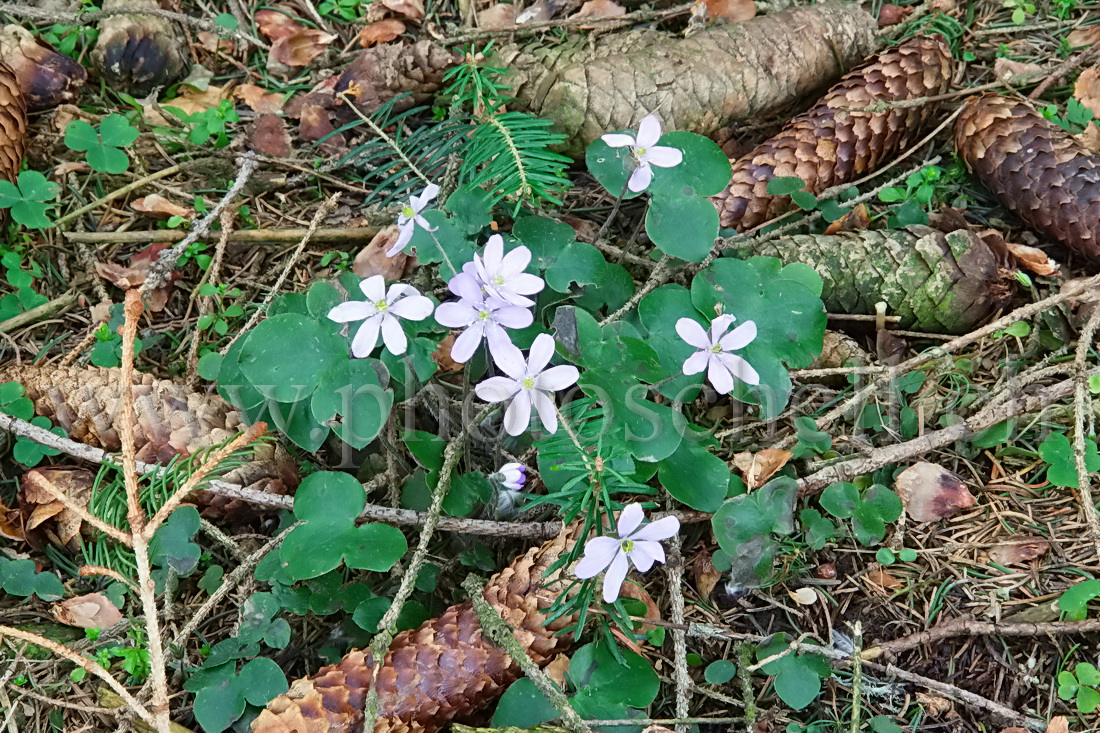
1080 685
102 147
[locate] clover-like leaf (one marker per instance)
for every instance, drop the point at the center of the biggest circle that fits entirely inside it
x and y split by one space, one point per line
839 499
682 226
1087 674
21 578
704 171
1058 451
1075 599
221 691
27 199
101 148
797 676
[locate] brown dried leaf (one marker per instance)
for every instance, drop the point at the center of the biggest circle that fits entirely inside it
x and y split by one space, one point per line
275 24
934 704
757 468
1084 36
1019 550
1033 259
133 275
1007 69
159 207
825 571
323 95
890 15
315 124
299 48
495 17
931 492
442 355
411 9
91 611
1090 138
730 11
10 524
1087 90
75 166
372 259
382 31
557 668
269 135
706 576
261 102
602 9
882 579
214 43
855 220
38 505
191 100
1058 724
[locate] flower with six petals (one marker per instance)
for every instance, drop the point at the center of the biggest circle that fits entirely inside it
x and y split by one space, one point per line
502 275
528 384
645 151
380 313
714 351
635 544
410 217
482 315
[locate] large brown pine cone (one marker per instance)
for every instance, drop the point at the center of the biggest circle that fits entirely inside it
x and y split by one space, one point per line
840 138
442 671
1036 169
13 124
137 52
171 420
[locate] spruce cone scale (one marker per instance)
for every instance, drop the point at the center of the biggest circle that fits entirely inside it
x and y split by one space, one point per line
840 138
13 124
171 420
1035 168
442 671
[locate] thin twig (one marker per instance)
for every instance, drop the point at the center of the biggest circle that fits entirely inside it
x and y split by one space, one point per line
43 483
1081 403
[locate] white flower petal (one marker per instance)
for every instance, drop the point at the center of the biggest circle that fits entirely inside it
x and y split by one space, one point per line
739 337
690 331
649 131
426 196
496 389
413 307
466 286
645 554
695 363
662 529
629 519
508 358
719 376
394 336
598 554
466 343
515 262
397 291
512 316
540 354
640 178
493 255
740 368
548 414
424 224
719 326
526 284
557 378
518 415
353 310
374 287
618 140
405 230
663 156
616 574
456 314
366 338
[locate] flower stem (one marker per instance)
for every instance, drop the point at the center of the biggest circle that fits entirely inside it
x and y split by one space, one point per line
442 252
614 212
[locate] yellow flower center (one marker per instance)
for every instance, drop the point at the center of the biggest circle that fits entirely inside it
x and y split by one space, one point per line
528 382
498 281
628 546
717 348
408 212
381 306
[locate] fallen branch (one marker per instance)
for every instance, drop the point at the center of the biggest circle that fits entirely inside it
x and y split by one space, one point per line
968 626
337 235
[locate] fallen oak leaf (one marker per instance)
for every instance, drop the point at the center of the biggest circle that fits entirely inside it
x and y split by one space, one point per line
159 207
757 468
930 492
384 31
259 99
276 24
91 611
269 135
299 48
1019 550
1087 90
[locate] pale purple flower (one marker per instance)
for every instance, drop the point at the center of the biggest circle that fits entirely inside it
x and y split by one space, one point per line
410 217
482 315
646 151
635 544
528 384
714 351
511 476
502 275
379 313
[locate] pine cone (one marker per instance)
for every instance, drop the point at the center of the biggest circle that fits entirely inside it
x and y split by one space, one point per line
171 420
839 139
137 52
442 671
1036 169
13 124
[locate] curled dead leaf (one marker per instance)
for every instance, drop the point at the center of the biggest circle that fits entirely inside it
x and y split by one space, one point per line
91 611
889 15
316 124
705 574
11 524
855 220
276 24
410 9
133 275
37 505
1006 69
599 9
382 31
931 492
298 48
442 355
882 579
258 98
214 43
934 704
495 17
1019 550
372 259
1084 36
1058 724
74 166
159 207
1033 258
730 11
192 100
269 135
557 668
1087 90
757 468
